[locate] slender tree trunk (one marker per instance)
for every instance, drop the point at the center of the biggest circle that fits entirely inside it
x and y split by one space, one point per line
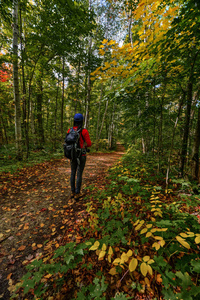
195 156
186 128
55 115
98 118
18 134
111 131
87 110
3 129
39 99
104 115
77 87
63 97
160 137
173 136
188 116
24 94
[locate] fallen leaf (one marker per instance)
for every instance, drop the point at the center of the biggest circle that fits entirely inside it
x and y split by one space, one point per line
9 275
21 248
39 245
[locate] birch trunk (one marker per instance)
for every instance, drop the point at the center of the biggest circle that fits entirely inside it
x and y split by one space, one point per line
18 135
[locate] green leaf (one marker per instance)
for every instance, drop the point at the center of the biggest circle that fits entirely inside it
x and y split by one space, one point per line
196 265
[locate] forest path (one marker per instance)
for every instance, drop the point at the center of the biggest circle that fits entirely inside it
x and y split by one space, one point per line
36 207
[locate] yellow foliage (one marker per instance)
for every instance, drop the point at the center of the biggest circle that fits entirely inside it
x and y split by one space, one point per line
133 264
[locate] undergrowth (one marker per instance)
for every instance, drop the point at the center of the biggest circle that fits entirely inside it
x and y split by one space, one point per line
140 239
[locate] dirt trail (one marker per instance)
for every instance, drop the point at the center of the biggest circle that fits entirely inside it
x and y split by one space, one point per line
35 207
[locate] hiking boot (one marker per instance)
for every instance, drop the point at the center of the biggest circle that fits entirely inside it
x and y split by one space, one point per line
72 195
78 196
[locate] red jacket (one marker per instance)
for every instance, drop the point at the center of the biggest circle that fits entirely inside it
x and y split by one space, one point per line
84 137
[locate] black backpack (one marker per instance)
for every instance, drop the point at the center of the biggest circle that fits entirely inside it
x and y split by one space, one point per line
72 149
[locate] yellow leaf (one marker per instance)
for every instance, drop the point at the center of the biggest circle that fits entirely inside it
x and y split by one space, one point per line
162 243
151 261
184 235
117 261
136 222
163 229
124 258
95 246
147 281
154 230
110 251
190 234
157 237
146 258
113 271
156 245
182 242
139 225
104 247
129 253
109 258
148 234
149 269
48 276
144 268
149 225
197 239
144 230
102 254
133 264
1 235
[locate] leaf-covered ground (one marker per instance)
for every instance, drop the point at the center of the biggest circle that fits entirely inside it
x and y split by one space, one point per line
36 208
127 238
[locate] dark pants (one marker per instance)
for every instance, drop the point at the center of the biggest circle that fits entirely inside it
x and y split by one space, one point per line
79 168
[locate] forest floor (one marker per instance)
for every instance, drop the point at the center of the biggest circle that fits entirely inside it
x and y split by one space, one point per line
36 208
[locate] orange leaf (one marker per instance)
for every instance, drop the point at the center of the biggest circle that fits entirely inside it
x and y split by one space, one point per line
39 245
21 248
9 275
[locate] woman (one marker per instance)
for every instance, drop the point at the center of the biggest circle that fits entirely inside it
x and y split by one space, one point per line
78 165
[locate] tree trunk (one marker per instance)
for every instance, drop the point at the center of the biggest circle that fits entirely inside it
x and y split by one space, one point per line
98 118
87 109
187 117
173 136
186 128
3 129
195 158
160 137
39 99
18 135
24 94
63 97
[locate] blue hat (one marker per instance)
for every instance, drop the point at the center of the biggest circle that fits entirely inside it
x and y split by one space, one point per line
78 117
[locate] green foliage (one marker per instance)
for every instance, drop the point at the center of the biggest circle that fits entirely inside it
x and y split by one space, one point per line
143 229
11 164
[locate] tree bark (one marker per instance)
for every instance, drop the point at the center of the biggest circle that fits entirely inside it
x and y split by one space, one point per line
186 128
39 99
195 157
173 136
188 116
63 97
18 135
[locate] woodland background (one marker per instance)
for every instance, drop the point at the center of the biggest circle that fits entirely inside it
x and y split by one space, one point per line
131 67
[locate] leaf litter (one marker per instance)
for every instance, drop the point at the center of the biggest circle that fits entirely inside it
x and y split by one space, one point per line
37 215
